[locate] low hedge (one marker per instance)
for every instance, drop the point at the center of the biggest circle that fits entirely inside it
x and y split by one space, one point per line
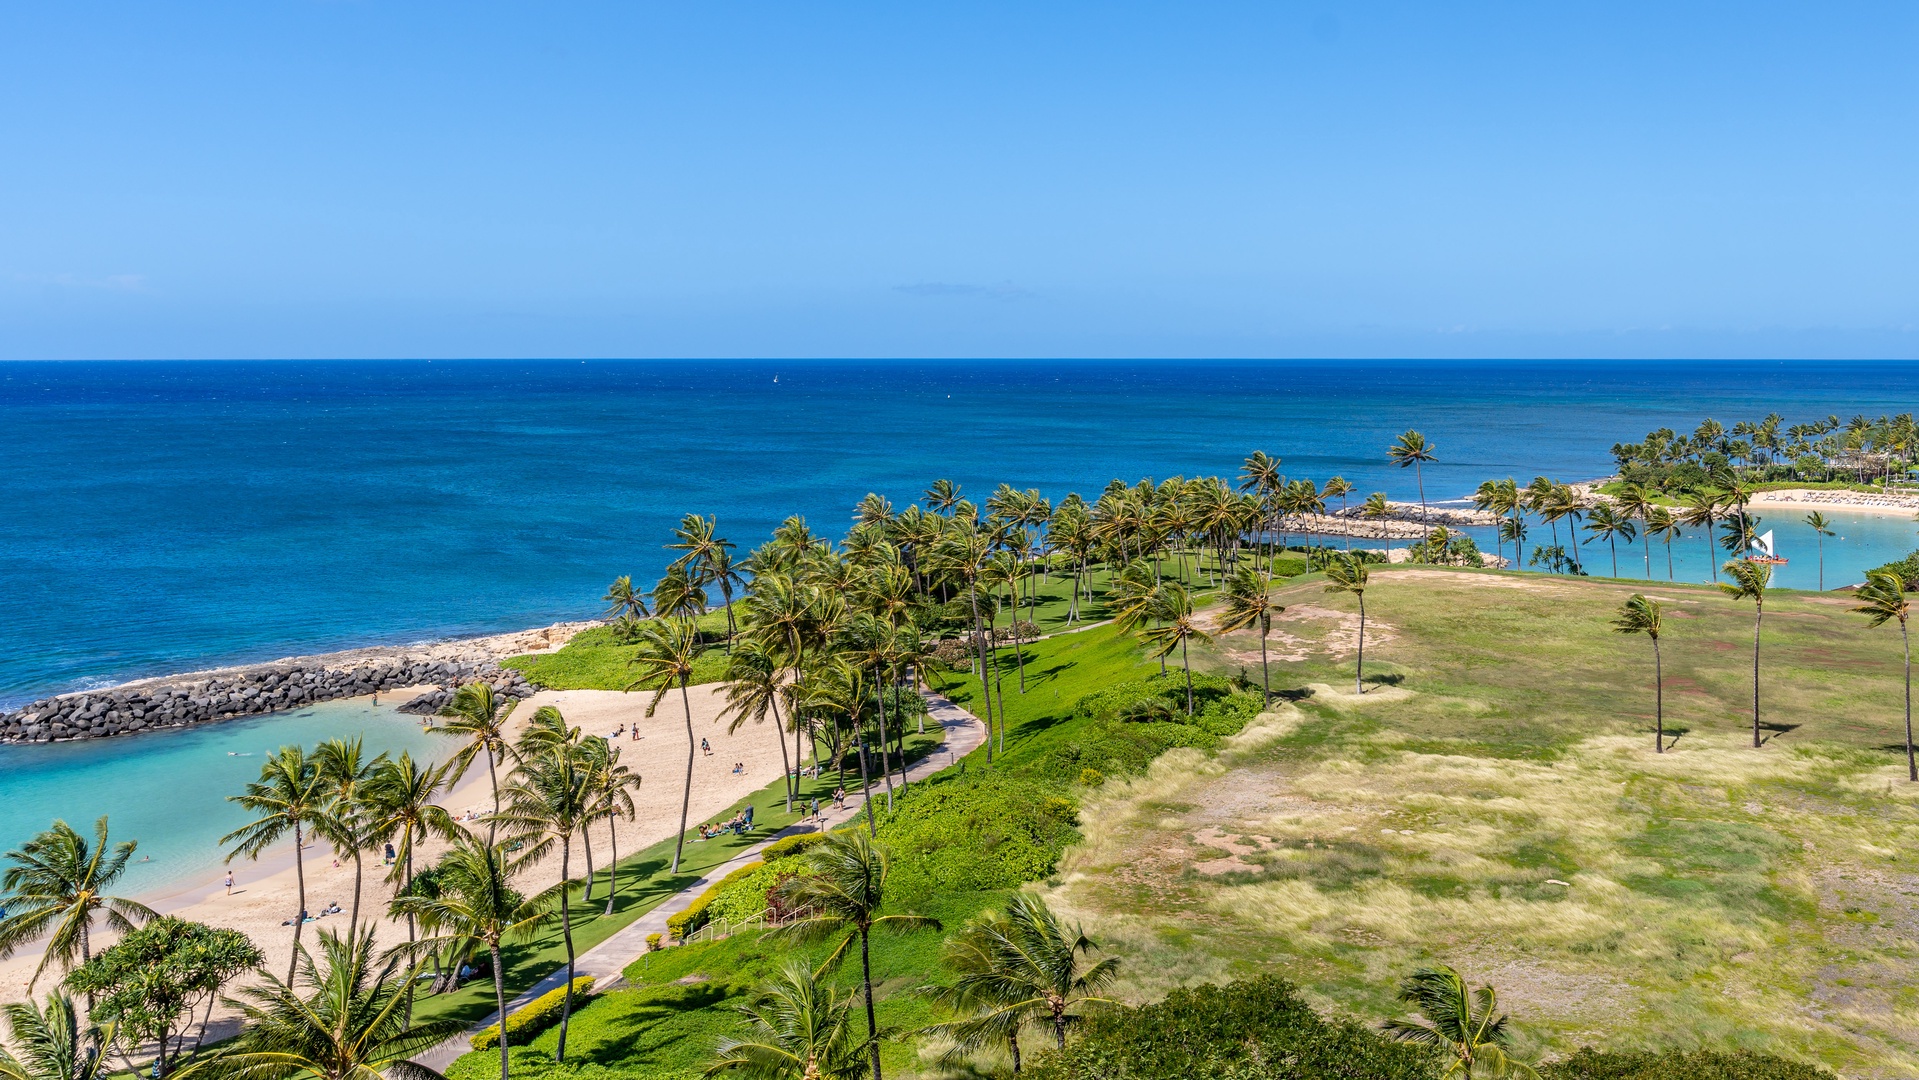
789 846
1590 1064
538 1015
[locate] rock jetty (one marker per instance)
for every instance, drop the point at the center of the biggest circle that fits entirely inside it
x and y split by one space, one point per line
258 689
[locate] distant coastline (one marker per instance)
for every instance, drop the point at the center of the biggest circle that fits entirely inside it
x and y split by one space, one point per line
425 674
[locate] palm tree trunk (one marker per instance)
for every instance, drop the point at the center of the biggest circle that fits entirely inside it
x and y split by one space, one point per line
492 826
353 917
791 774
1187 665
499 995
986 691
1419 471
866 786
1012 1044
1359 667
1822 566
886 766
1265 675
872 1022
566 932
613 855
300 875
586 845
1756 620
686 793
1912 765
1659 700
1669 558
1614 548
1712 562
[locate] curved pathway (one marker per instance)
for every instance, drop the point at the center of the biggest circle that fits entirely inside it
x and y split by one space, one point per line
606 961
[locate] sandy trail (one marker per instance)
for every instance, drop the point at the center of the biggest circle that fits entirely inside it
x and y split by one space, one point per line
266 893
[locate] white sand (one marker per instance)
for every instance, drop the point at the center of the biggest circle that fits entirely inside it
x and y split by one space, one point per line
264 893
1852 502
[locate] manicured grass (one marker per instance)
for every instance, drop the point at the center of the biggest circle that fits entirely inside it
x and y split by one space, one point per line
1716 894
595 660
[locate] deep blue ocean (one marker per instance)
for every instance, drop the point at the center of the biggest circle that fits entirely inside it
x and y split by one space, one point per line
158 517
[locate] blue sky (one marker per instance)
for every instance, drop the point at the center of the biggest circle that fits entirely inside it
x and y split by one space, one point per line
1184 180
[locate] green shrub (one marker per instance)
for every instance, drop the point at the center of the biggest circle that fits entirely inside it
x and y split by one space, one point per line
746 897
979 832
1256 1030
1906 570
1590 1064
695 915
789 846
538 1015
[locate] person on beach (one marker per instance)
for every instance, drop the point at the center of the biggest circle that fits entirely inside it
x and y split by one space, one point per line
706 748
229 883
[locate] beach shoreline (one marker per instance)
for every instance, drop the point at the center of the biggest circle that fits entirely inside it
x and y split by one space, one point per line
1855 502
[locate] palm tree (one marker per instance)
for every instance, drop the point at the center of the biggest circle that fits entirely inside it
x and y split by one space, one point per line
478 715
1346 573
1636 502
1412 449
1821 528
353 1024
1176 626
845 893
57 882
1377 508
1748 581
627 602
1339 488
342 769
400 798
51 1043
548 800
1018 968
942 496
288 799
1883 597
1248 603
1467 1023
1641 616
1664 524
608 786
668 650
800 1029
1611 524
784 615
752 690
1700 509
476 905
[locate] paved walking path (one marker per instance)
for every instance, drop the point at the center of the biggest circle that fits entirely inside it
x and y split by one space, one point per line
605 961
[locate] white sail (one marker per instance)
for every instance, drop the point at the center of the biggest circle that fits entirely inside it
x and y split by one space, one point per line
1763 544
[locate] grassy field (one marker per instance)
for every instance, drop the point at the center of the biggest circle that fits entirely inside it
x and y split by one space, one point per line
1495 802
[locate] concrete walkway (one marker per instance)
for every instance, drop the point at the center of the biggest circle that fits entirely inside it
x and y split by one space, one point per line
606 961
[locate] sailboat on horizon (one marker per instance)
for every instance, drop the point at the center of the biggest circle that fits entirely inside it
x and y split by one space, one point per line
1762 550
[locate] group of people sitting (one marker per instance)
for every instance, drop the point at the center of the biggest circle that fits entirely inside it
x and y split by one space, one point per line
741 823
306 917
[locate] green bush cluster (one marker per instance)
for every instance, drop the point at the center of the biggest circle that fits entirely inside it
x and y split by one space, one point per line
788 846
1119 730
1906 570
538 1015
1250 1030
979 832
697 913
1589 1064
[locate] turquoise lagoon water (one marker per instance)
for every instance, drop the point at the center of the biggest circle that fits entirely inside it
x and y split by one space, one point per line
168 789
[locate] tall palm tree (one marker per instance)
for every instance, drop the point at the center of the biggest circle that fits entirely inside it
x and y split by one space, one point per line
1347 573
1018 968
1248 604
784 615
1610 523
609 786
1821 528
1466 1023
799 1029
343 770
1883 597
846 893
1412 449
287 799
963 553
547 801
753 679
942 496
1664 524
668 650
626 601
478 715
56 883
1176 627
352 1025
1636 502
679 594
400 798
1641 615
1748 581
476 905
1340 488
1699 510
1377 508
51 1043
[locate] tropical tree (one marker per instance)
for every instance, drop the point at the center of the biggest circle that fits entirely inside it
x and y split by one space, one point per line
1339 488
342 769
50 1042
846 893
1699 510
1641 615
548 800
1636 502
1466 1024
1175 627
1748 581
799 1029
1881 599
150 983
627 602
667 652
1018 968
1664 524
609 787
400 798
288 800
1412 449
1610 523
56 885
1249 604
478 715
476 905
1346 573
1821 528
352 1024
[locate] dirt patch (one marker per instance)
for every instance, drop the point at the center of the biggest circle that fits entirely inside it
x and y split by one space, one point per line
1485 581
1341 629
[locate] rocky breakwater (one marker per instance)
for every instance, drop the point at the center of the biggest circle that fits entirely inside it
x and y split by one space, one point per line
254 690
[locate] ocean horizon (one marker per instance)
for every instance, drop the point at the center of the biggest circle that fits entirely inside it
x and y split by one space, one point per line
165 516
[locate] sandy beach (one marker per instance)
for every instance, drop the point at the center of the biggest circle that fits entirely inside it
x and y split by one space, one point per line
1854 502
266 892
